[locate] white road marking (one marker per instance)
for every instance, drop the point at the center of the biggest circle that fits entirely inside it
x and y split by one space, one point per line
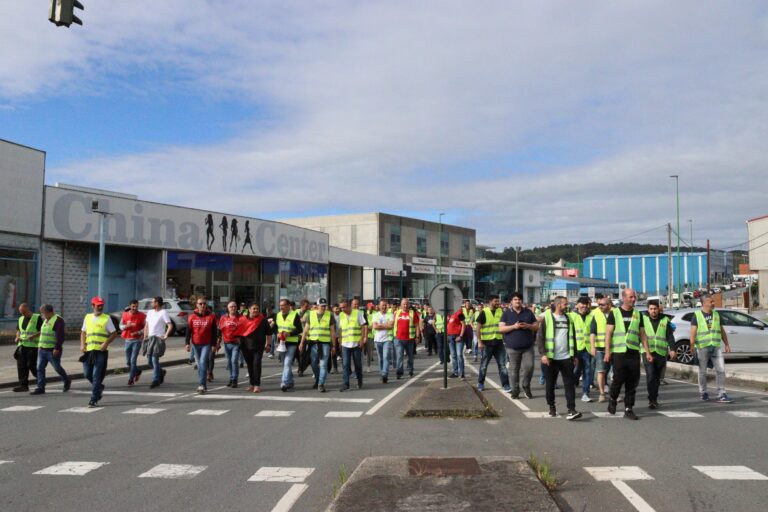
82 410
394 393
344 414
208 412
610 473
632 497
174 471
520 405
730 473
129 393
144 410
740 390
279 474
6 462
290 498
606 414
529 414
680 414
277 414
748 414
71 468
22 408
316 399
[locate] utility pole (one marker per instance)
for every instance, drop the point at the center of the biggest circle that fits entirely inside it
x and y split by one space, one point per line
517 271
709 267
677 207
669 265
691 222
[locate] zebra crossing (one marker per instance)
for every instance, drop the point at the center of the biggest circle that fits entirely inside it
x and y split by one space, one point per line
672 413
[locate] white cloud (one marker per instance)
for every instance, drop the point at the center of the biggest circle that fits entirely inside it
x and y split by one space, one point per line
376 107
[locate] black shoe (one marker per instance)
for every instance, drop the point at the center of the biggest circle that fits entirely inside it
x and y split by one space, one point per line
360 384
410 374
38 391
301 374
527 393
314 386
21 389
154 384
653 404
573 415
343 388
630 415
67 385
515 395
91 404
284 388
242 365
454 376
162 376
229 384
399 377
384 380
552 411
322 388
234 384
611 406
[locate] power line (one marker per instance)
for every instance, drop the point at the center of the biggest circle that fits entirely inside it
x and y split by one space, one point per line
636 234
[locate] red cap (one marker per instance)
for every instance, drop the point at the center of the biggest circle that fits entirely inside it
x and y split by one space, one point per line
97 301
371 305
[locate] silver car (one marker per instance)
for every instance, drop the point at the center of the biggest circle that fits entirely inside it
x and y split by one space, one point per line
747 335
178 310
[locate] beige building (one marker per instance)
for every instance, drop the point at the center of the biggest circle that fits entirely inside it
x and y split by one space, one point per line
757 229
430 251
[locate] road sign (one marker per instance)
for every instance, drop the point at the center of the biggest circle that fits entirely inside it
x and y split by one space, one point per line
437 298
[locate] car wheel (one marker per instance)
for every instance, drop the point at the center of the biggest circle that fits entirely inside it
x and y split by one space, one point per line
683 350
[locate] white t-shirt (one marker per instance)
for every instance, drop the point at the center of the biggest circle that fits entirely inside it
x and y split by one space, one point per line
360 321
157 322
110 325
381 335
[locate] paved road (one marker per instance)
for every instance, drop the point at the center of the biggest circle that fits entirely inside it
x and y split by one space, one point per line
222 440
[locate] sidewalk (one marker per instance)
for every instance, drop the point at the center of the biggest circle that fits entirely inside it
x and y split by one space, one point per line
738 374
175 353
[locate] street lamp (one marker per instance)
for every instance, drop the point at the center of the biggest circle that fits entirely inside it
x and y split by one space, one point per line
102 248
677 203
517 271
440 249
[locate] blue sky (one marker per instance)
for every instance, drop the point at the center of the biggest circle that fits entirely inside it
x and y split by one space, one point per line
534 123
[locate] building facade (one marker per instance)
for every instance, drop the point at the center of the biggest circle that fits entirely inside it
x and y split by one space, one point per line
430 252
757 231
497 277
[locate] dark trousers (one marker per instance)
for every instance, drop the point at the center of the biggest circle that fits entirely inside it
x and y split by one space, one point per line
441 347
653 373
626 372
565 368
305 358
253 358
430 342
348 357
26 364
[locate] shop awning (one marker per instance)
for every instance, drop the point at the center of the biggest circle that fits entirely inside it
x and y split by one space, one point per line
361 259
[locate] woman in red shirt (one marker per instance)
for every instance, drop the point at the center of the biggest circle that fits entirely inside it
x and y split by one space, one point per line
201 337
228 325
255 330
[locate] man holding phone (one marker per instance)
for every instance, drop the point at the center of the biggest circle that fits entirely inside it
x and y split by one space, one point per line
519 325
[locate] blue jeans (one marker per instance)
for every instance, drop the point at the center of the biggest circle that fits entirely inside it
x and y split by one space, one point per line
319 354
457 353
45 356
409 347
94 369
132 349
384 349
584 370
157 370
232 352
494 351
202 353
288 355
347 355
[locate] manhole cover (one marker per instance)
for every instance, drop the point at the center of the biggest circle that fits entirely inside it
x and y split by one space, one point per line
443 466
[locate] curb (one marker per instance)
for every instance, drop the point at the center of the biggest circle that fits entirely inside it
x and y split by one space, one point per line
740 379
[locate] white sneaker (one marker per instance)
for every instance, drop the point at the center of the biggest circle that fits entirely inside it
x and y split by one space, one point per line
201 390
270 356
585 398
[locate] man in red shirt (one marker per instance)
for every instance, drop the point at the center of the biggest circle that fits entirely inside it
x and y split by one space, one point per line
407 332
132 331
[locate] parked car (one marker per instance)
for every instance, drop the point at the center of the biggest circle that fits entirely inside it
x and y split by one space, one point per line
178 310
747 335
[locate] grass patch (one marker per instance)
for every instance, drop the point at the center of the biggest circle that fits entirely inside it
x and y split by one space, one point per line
343 477
543 470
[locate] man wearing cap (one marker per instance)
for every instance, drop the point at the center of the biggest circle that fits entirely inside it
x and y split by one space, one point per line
97 333
319 329
26 346
49 348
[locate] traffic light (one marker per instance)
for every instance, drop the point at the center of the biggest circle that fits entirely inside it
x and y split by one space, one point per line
63 12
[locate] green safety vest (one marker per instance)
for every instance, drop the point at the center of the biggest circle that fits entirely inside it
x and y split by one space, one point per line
320 328
47 334
708 336
286 325
621 339
439 323
31 329
95 331
490 329
549 335
369 317
411 325
657 341
580 328
599 317
350 327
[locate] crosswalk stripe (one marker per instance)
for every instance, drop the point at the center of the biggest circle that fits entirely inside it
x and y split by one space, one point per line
22 408
730 473
71 468
208 412
290 498
174 471
606 414
277 414
129 393
281 474
82 410
144 410
748 414
610 473
534 414
343 414
284 398
6 462
680 414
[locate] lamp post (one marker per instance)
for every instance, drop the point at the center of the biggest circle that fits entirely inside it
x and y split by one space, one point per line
102 245
440 249
690 221
517 271
677 208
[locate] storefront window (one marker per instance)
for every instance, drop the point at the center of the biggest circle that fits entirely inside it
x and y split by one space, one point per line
421 242
445 246
17 280
394 240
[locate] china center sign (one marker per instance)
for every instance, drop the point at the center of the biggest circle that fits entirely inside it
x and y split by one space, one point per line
131 222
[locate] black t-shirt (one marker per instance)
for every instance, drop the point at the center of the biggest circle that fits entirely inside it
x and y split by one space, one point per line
707 318
519 339
625 315
26 320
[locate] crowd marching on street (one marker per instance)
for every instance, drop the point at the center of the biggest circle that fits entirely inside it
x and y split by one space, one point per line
584 346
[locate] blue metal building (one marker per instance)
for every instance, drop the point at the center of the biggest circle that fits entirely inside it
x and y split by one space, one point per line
648 273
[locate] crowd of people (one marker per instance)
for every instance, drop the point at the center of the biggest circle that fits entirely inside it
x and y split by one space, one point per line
584 345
